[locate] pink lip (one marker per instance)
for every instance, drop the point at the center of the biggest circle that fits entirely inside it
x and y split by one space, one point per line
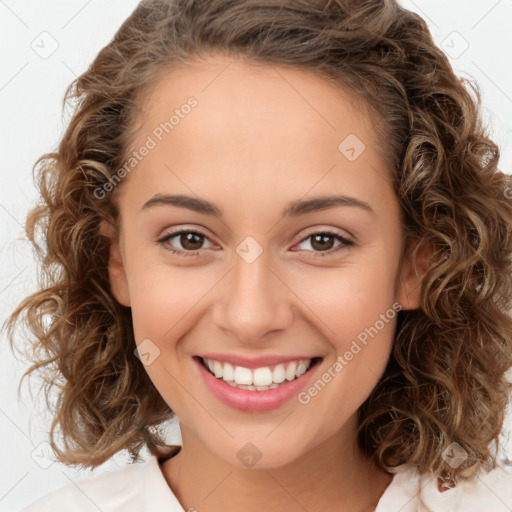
253 401
253 362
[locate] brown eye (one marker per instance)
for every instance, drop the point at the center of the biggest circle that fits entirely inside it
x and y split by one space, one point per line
323 242
188 242
191 241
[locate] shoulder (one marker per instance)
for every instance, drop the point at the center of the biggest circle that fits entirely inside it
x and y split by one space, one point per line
411 491
490 490
112 491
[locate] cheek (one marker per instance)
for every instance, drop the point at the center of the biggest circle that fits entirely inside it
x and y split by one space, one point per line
163 299
164 303
344 301
356 312
361 345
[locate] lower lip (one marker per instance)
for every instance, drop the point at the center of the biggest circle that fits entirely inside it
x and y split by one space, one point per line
253 401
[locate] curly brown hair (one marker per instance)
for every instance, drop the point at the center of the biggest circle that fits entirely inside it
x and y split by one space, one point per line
445 380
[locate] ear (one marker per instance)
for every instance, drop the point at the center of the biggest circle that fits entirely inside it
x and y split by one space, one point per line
410 275
116 270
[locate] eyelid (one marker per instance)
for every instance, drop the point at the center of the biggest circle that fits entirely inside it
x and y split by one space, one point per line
330 231
346 240
178 231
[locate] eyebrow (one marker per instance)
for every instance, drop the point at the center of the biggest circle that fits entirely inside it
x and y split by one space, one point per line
293 209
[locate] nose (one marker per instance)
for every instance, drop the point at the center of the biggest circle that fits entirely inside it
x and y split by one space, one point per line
253 301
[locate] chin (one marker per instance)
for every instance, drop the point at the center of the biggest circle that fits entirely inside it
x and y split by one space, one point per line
258 454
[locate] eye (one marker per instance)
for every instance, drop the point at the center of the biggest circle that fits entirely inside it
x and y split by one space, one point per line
190 240
322 241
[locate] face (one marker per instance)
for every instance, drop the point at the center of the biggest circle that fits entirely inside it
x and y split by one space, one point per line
252 267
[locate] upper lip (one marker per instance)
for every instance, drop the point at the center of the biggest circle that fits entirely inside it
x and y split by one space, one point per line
254 362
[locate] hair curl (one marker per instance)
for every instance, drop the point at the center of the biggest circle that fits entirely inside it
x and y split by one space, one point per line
445 381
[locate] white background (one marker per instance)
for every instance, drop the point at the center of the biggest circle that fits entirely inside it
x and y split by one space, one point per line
31 122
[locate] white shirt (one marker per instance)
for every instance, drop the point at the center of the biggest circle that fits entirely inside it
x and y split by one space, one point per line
141 487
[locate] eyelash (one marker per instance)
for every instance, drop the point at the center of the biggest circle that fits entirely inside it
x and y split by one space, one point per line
346 242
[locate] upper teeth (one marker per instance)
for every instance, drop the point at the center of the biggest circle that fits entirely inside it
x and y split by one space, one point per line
264 376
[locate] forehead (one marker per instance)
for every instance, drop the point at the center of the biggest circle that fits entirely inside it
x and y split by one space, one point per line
258 127
259 95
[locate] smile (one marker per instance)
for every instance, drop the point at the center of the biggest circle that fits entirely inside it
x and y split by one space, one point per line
255 387
257 379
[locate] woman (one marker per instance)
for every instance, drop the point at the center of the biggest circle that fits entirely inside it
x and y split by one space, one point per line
283 223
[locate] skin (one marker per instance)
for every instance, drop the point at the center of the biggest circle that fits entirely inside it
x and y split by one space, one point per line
260 137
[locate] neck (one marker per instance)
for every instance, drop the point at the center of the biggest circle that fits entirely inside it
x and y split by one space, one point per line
333 476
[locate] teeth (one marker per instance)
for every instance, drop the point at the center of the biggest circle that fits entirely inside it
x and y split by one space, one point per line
252 388
262 377
217 369
278 375
242 375
259 379
290 371
301 368
228 372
